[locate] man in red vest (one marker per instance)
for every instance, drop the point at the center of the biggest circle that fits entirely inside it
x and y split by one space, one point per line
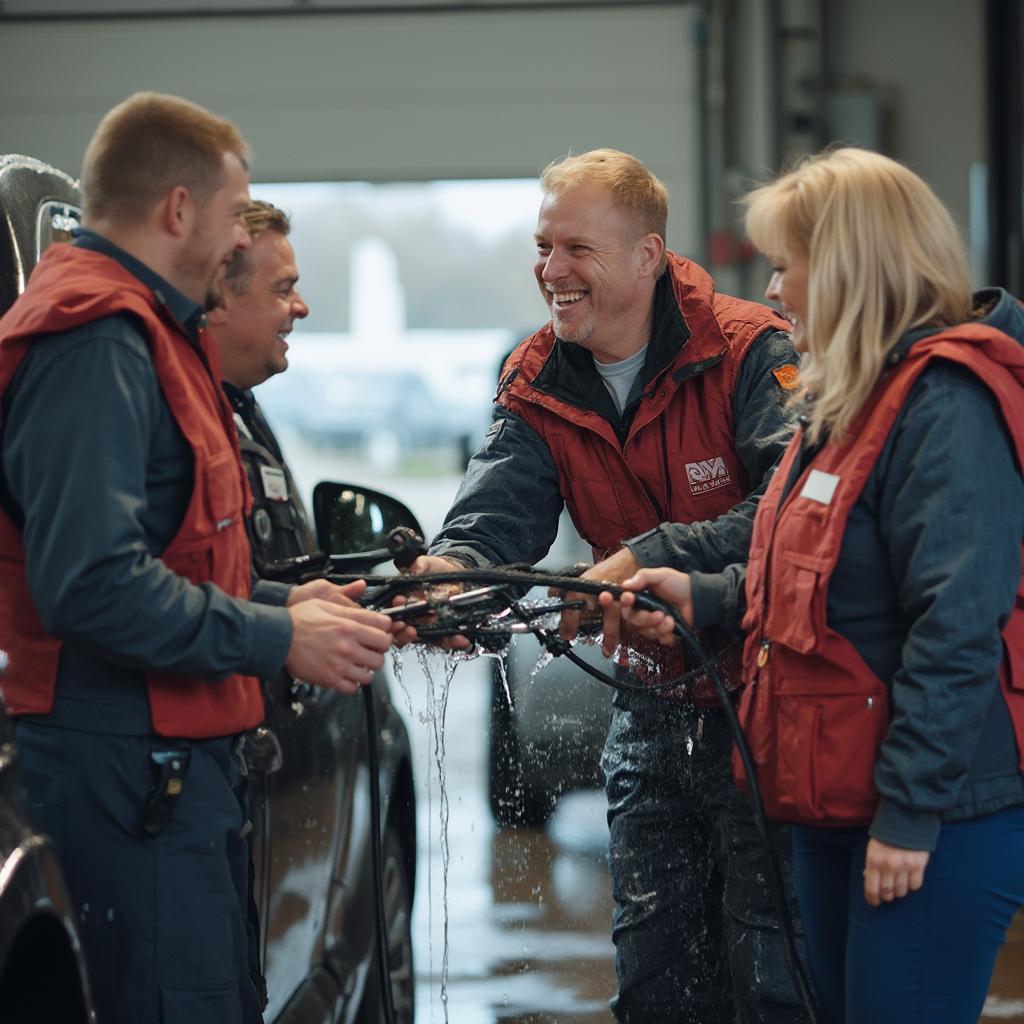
652 407
125 596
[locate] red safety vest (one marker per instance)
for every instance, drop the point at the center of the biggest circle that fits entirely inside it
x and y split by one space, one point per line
679 463
813 712
72 286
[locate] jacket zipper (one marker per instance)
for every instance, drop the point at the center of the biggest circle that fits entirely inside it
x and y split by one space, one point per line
664 463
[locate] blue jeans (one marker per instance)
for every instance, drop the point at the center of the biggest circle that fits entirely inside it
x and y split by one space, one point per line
923 959
695 930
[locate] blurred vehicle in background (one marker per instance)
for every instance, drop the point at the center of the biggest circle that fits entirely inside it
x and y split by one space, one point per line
384 390
547 730
382 415
549 741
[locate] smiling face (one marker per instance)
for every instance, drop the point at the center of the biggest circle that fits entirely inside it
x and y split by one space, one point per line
217 230
252 325
596 270
788 287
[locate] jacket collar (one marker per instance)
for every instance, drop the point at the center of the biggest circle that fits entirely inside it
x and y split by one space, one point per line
187 313
1002 311
569 373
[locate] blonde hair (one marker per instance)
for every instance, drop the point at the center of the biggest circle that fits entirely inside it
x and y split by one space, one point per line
883 257
147 145
632 185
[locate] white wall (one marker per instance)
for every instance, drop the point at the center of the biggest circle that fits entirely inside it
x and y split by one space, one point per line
380 97
929 56
494 93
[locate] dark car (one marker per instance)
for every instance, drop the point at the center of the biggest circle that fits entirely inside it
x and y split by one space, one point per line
547 724
547 731
42 974
309 783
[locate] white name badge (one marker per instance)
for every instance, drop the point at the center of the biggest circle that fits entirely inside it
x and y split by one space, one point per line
275 487
820 486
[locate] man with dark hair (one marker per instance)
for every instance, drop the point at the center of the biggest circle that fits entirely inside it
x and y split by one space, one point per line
652 407
260 303
125 596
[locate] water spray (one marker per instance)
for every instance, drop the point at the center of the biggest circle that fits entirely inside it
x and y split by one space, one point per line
490 615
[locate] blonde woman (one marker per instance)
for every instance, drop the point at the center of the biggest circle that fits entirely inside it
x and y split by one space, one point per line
882 602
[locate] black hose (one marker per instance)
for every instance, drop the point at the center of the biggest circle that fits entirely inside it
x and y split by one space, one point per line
400 584
377 857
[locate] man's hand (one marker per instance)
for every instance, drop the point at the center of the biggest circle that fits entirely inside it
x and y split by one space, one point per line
346 595
891 872
336 646
613 569
434 563
669 585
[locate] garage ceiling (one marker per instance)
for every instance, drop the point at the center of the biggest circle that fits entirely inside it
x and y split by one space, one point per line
47 9
379 97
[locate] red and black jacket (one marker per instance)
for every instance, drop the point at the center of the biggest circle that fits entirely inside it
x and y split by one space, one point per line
678 461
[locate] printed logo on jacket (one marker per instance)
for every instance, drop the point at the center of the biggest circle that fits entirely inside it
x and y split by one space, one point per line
708 475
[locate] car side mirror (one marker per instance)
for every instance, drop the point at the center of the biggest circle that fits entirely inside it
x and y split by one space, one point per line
352 524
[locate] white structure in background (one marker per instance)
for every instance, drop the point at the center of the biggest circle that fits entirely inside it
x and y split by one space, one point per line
383 386
377 302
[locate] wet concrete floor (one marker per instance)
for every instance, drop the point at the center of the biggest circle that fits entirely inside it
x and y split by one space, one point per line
528 913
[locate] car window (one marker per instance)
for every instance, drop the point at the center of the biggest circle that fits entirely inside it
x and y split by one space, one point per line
54 223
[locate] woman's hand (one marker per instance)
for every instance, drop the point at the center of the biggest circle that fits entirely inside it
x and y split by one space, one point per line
669 585
891 872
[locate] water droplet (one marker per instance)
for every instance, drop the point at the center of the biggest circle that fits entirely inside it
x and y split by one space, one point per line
545 659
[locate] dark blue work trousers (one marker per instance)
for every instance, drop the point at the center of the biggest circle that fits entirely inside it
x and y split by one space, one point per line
162 919
695 929
926 958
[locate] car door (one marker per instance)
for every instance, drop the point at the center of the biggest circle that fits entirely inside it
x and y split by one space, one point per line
301 814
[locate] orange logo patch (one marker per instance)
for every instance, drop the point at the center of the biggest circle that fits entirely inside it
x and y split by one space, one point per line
788 376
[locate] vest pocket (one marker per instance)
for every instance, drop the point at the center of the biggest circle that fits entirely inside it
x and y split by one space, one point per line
214 515
827 749
220 481
796 601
